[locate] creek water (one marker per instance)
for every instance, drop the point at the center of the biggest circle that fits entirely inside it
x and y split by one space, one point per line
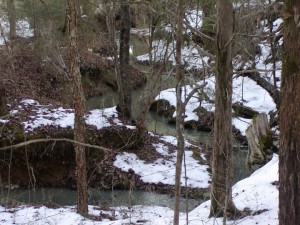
154 123
102 198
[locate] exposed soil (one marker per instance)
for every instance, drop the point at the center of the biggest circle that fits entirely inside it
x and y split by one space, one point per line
28 76
52 164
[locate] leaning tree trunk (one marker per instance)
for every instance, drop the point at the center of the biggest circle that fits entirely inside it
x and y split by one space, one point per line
79 106
124 83
289 153
221 193
179 110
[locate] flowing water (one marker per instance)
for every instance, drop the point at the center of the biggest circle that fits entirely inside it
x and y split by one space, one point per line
102 198
154 123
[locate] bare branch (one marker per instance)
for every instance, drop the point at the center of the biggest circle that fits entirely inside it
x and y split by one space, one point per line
258 12
53 139
190 95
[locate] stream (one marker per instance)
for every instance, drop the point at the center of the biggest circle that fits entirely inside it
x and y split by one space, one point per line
103 198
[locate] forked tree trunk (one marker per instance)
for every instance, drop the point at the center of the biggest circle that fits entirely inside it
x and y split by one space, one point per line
179 110
289 153
221 193
79 106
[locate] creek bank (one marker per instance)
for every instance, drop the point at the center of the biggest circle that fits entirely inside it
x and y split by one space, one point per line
52 164
47 81
205 122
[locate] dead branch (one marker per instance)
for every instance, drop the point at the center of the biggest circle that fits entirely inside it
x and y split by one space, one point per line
53 139
190 95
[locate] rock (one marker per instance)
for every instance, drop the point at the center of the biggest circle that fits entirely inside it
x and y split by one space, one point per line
243 111
163 108
206 119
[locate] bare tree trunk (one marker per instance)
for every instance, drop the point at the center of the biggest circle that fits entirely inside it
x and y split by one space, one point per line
221 193
289 153
11 9
179 110
79 106
124 84
3 106
65 28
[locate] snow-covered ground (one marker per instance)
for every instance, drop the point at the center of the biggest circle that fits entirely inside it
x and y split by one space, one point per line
257 193
47 115
244 89
163 170
23 29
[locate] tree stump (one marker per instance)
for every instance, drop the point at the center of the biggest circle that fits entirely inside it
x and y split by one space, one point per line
260 142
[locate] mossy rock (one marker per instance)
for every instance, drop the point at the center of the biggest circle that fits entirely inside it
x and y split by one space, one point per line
243 111
191 124
197 155
206 119
163 108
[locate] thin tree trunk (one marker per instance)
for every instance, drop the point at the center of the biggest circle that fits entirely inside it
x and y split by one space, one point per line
11 8
124 86
179 110
289 153
79 106
221 193
3 106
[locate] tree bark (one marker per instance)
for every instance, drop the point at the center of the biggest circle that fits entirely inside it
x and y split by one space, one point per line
79 106
260 141
3 106
221 193
179 110
124 84
11 9
289 153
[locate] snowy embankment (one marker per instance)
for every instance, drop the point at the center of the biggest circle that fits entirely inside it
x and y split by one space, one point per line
161 170
258 193
244 89
48 115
